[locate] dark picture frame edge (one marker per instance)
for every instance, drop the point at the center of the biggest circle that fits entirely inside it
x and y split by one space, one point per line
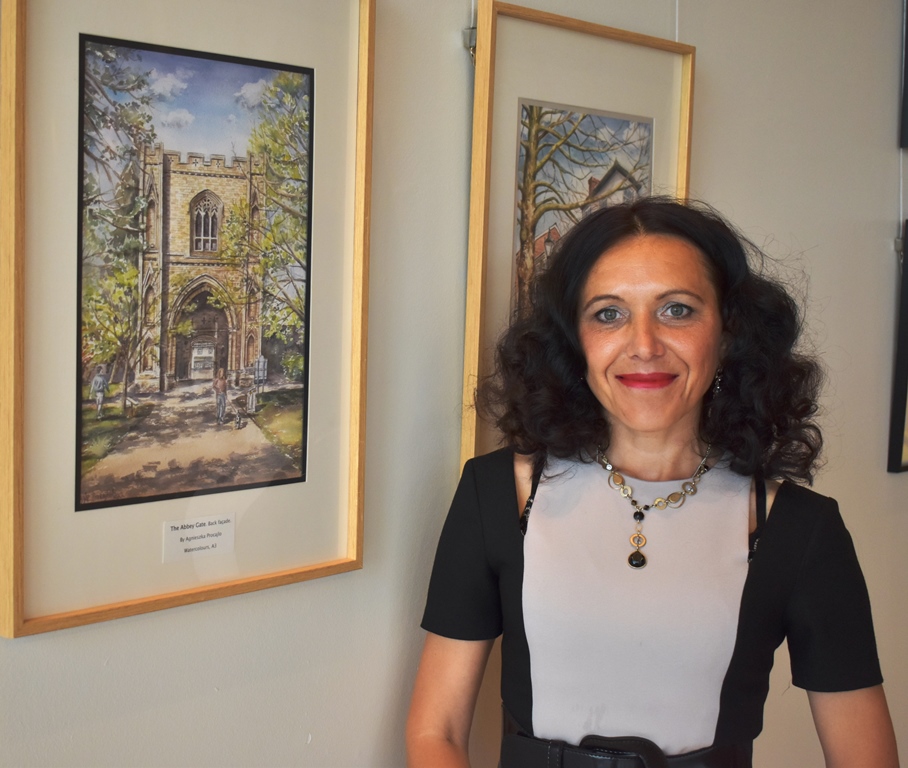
896 461
903 128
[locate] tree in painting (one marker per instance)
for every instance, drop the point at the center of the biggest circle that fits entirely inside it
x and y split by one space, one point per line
116 122
277 237
570 163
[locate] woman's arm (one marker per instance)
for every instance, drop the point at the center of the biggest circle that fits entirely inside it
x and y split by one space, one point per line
444 696
855 728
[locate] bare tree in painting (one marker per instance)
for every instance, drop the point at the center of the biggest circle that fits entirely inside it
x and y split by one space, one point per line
564 158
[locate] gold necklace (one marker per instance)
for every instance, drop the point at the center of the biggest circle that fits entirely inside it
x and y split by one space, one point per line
637 559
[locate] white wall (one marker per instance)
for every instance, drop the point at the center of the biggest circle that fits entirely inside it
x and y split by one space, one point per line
794 138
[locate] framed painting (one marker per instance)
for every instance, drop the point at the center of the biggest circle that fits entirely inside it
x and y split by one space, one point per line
185 238
898 424
552 143
193 282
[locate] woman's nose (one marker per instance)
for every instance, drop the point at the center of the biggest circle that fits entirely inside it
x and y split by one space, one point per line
644 342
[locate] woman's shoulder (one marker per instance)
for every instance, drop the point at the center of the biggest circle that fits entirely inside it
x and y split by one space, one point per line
492 458
801 500
491 472
799 513
804 544
488 492
495 466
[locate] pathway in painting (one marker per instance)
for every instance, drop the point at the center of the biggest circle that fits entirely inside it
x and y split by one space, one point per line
181 448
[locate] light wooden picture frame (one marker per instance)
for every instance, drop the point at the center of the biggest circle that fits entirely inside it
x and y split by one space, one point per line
61 568
524 56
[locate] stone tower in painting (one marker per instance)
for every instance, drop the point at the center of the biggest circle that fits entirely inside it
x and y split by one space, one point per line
200 310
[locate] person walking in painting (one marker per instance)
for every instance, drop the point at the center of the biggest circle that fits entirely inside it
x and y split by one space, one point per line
98 388
219 385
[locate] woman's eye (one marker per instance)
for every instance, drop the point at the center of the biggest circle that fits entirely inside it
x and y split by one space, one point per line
608 315
677 311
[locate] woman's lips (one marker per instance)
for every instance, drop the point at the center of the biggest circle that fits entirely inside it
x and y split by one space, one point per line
646 380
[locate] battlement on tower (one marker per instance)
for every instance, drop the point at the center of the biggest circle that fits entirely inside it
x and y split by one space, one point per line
196 162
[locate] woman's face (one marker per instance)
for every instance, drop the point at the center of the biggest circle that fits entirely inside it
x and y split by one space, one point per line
651 331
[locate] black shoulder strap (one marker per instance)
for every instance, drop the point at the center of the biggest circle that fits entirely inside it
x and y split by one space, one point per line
525 517
761 501
760 488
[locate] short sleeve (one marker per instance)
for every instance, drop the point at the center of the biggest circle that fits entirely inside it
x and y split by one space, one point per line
463 601
830 627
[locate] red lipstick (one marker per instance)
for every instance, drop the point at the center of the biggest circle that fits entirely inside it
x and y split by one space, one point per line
647 380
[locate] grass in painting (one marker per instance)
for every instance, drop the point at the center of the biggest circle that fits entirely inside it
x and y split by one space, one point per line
280 417
100 436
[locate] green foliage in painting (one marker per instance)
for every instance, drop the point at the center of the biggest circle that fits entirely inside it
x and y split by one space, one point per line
116 125
269 238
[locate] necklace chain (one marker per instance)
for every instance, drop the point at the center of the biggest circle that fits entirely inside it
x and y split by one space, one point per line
674 500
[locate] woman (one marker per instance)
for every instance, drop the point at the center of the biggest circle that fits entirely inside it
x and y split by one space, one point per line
654 408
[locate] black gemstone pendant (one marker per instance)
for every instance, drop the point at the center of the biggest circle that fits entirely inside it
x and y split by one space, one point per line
636 559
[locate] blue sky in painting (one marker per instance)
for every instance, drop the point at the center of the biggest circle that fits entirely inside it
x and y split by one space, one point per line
203 105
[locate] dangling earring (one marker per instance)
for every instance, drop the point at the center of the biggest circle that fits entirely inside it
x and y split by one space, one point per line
717 382
714 390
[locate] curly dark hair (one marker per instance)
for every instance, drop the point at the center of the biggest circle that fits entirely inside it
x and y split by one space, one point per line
763 414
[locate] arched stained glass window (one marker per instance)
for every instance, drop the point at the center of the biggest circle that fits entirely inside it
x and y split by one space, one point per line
204 213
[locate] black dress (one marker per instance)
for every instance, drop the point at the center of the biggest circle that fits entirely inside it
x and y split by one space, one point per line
803 583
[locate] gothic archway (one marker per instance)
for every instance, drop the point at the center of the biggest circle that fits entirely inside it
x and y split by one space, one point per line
201 335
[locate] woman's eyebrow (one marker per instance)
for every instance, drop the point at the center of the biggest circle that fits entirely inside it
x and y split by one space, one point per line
682 292
662 296
602 297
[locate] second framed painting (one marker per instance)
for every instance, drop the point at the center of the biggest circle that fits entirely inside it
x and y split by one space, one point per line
568 117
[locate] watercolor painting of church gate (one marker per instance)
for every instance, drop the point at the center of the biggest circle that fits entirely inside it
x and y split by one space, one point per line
195 201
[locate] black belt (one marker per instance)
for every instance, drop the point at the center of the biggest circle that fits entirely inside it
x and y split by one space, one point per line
521 751
599 752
